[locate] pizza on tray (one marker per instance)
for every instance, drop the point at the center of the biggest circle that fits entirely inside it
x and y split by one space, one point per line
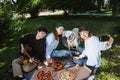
66 75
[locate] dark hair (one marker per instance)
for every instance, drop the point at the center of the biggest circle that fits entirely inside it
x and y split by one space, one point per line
42 29
84 29
57 37
59 24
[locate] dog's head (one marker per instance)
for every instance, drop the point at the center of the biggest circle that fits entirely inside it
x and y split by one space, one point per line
70 35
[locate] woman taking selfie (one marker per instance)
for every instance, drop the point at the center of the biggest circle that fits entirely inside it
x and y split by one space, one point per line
93 48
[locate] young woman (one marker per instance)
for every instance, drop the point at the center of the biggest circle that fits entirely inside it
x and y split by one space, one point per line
52 41
93 46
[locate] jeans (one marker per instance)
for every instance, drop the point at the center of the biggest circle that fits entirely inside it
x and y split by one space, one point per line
81 61
61 53
80 48
92 74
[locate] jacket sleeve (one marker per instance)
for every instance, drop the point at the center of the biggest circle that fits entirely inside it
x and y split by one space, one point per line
99 45
49 49
103 46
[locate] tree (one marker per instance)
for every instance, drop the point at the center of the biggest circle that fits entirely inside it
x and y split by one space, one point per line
28 6
34 7
100 4
71 5
5 18
115 5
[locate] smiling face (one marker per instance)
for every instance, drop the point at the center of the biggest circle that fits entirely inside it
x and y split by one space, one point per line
41 34
84 34
60 30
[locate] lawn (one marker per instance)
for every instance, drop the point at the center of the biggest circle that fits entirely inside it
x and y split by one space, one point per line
110 68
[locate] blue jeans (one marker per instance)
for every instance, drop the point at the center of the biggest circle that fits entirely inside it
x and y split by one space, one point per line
81 61
64 40
80 48
61 53
92 74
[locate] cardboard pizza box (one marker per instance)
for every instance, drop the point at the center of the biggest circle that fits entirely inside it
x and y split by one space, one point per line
83 73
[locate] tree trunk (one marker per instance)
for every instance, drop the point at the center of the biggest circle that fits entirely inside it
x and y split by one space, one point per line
66 13
34 15
99 5
114 10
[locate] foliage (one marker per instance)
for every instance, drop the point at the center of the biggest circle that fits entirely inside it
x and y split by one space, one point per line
28 6
34 7
9 19
115 5
20 5
71 6
100 4
5 18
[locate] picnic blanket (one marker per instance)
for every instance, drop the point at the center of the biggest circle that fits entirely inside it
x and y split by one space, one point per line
72 73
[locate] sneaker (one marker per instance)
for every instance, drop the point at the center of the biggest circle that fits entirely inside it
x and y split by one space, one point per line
91 77
24 79
20 78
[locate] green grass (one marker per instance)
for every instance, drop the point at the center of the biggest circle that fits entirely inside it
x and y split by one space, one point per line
103 11
110 68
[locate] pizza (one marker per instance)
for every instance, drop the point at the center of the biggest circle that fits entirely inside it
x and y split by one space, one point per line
66 75
42 75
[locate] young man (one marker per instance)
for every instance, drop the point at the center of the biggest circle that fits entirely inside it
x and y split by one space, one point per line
35 50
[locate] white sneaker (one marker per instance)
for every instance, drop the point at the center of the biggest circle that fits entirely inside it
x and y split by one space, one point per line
91 77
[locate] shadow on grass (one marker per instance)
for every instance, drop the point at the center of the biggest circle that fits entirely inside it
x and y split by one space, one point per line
5 73
112 56
110 70
6 56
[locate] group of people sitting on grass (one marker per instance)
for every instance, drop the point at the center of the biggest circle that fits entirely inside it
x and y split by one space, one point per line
37 48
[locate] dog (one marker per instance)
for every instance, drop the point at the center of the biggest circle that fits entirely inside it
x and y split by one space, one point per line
72 39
